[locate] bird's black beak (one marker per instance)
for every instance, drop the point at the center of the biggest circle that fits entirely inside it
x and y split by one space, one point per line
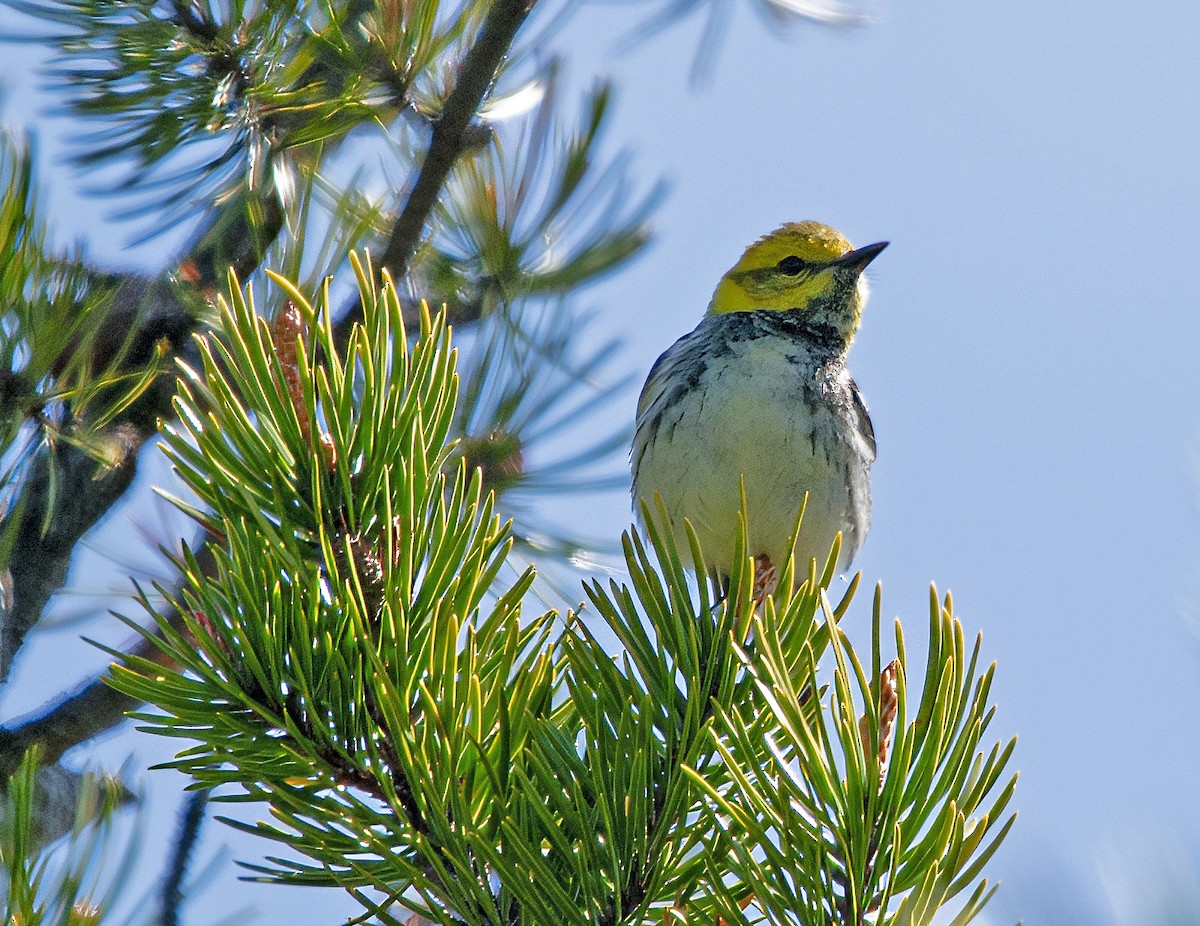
858 259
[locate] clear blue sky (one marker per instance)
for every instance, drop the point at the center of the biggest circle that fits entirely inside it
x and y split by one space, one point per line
1031 353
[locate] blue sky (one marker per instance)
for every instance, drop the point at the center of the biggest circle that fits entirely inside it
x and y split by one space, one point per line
1029 356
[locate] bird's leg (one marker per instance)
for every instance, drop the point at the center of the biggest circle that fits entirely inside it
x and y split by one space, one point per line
765 578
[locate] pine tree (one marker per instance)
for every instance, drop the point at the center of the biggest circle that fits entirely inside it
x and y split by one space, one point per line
351 637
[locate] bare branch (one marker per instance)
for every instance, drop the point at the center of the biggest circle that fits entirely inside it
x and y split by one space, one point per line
185 843
67 491
93 709
451 134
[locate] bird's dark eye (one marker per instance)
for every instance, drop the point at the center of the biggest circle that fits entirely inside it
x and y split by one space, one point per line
791 265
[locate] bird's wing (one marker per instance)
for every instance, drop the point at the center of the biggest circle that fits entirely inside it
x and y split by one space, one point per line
862 417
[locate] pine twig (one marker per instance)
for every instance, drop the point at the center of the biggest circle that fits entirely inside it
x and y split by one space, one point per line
41 557
94 708
450 131
449 138
185 843
50 530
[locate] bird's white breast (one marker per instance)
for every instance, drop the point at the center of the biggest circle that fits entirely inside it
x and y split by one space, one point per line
770 411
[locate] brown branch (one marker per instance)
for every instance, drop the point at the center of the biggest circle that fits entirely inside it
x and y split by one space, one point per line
92 709
67 491
450 137
38 567
451 131
181 853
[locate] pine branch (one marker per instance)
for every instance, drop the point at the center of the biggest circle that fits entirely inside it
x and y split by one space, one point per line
69 876
40 560
93 709
450 135
185 844
449 139
41 557
143 313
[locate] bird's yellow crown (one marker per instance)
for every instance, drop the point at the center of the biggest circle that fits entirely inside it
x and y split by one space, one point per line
802 266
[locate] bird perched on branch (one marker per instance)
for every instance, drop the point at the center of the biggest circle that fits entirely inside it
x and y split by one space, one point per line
759 392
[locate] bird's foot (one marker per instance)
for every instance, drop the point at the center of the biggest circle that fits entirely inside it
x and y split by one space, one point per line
765 578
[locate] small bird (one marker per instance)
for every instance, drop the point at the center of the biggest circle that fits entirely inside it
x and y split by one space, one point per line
759 392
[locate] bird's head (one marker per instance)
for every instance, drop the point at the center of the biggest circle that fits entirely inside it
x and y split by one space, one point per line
801 267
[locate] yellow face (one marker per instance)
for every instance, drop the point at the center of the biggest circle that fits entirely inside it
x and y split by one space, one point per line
802 266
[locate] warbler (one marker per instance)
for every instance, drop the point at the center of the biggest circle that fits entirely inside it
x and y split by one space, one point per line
759 394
